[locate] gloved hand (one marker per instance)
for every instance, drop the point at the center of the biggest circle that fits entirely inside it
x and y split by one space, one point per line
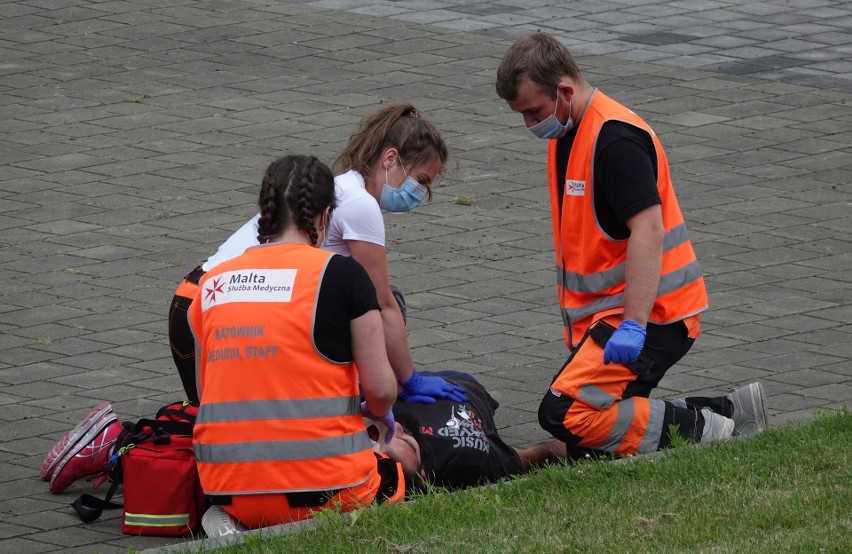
625 344
387 420
425 389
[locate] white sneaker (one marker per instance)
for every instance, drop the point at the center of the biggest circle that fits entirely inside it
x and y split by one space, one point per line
749 409
717 427
216 522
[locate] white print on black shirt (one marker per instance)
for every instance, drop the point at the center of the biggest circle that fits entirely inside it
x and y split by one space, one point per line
465 430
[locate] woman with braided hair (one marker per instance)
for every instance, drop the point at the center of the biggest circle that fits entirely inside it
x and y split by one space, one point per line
285 332
389 164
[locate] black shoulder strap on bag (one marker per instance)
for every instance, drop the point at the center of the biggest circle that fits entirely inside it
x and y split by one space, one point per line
89 507
148 428
177 411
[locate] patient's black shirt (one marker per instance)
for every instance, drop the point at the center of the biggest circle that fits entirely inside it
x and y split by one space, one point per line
459 440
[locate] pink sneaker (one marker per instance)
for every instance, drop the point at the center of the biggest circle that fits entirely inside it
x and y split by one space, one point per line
70 440
90 455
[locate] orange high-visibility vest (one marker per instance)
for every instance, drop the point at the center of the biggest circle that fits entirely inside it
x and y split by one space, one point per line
275 415
591 265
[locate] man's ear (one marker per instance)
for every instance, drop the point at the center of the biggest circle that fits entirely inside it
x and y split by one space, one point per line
565 91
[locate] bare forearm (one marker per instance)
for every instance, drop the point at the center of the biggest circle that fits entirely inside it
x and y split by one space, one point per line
542 453
372 257
643 279
377 379
644 261
396 340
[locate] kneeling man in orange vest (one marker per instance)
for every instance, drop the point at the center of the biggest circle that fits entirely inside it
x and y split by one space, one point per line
629 286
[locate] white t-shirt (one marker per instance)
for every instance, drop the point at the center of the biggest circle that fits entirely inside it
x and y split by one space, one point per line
357 217
239 242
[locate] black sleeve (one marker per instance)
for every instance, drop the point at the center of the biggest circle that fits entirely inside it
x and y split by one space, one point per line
346 293
625 176
563 151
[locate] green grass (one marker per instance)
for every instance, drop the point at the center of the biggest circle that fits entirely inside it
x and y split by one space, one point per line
785 490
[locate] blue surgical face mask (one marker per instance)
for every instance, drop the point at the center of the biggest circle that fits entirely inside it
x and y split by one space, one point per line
408 196
550 128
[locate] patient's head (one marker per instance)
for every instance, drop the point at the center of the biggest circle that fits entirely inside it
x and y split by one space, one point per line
406 447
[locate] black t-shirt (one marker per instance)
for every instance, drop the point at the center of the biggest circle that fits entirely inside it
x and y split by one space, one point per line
625 174
459 440
346 293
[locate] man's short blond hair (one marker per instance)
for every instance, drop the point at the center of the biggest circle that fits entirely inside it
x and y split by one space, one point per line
539 57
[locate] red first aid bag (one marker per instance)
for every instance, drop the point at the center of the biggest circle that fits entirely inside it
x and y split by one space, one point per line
156 465
162 495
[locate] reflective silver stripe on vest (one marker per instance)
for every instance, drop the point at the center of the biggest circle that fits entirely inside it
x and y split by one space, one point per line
679 277
668 283
602 280
626 411
654 430
605 303
593 282
278 409
676 236
268 451
150 520
593 395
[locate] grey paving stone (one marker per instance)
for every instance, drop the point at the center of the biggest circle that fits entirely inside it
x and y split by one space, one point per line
26 546
733 374
799 323
71 536
794 402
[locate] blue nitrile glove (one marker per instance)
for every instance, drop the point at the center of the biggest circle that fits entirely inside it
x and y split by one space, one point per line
425 389
625 344
388 420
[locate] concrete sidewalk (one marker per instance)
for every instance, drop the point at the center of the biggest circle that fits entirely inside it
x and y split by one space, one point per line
133 136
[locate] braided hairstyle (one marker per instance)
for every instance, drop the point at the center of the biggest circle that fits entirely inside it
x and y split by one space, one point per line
295 189
397 126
